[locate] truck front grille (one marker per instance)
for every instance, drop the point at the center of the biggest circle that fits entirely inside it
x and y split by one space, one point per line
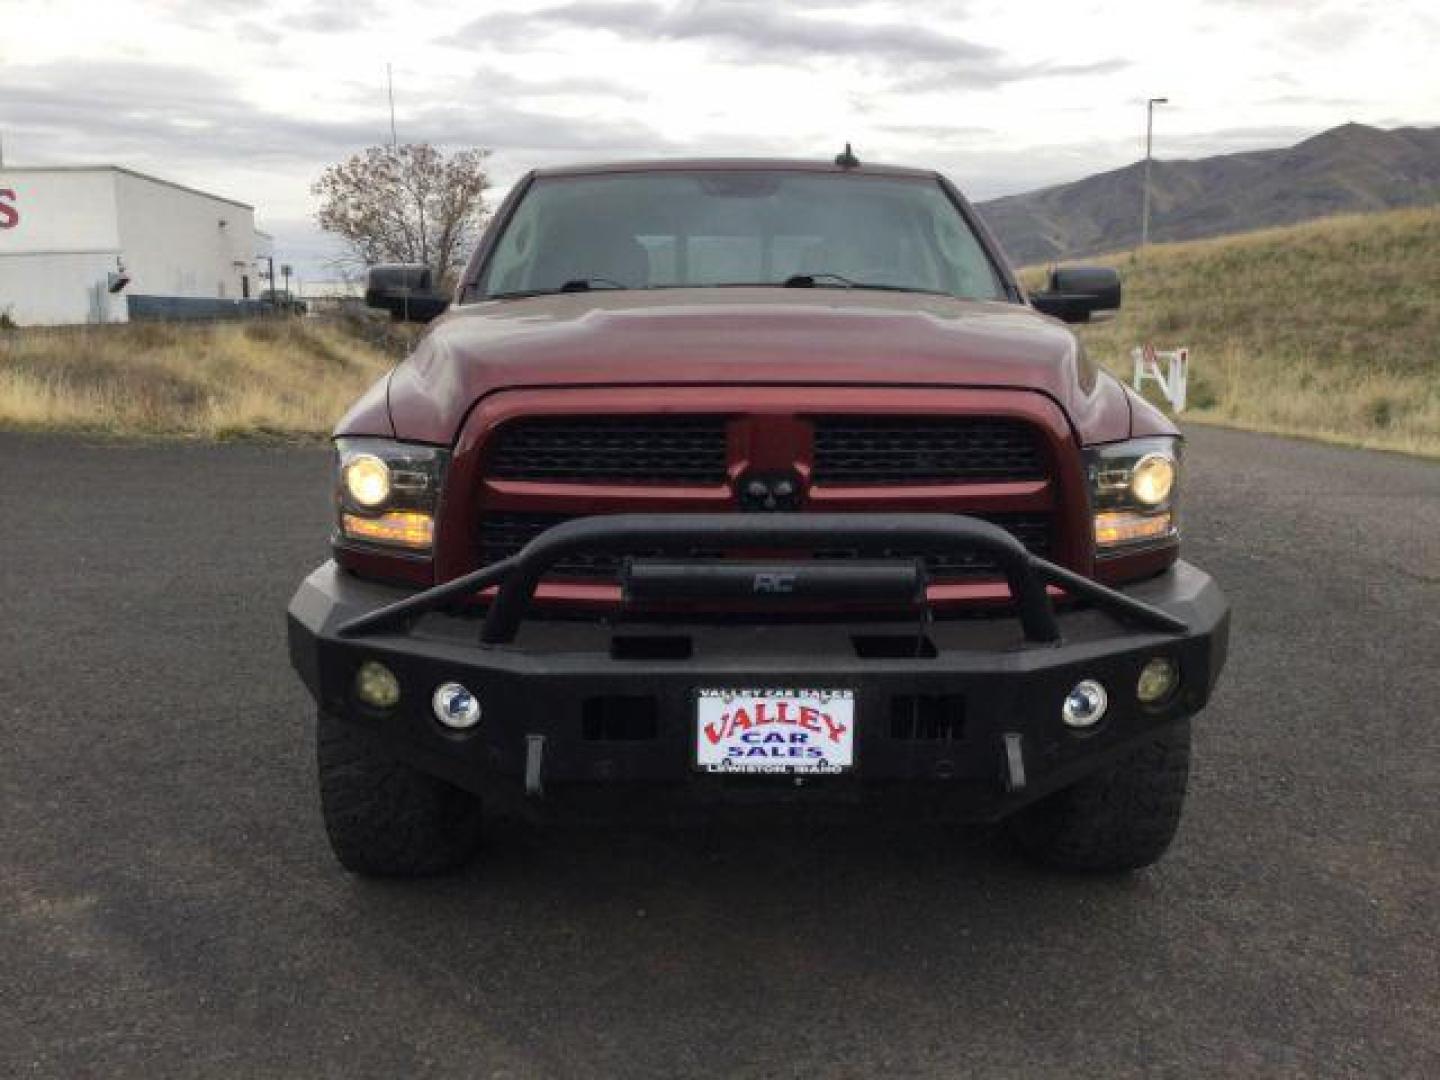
618 450
503 534
903 450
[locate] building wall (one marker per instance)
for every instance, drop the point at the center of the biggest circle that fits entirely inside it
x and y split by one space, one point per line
58 242
62 231
182 243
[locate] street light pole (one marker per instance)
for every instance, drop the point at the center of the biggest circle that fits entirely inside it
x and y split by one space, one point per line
1145 198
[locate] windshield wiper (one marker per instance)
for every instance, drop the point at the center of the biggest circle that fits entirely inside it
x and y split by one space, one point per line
811 281
573 285
585 284
900 288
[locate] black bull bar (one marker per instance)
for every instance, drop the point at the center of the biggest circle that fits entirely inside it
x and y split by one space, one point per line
518 576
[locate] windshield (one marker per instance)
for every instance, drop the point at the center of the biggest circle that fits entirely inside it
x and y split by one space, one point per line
754 227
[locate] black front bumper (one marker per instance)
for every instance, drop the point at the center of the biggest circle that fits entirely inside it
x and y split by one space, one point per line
965 723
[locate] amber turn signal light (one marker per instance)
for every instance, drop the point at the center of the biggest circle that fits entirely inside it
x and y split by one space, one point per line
401 528
1116 527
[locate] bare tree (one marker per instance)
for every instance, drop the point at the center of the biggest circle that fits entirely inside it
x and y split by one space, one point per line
407 204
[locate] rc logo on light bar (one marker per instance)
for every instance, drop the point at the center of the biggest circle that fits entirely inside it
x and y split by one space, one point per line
775 583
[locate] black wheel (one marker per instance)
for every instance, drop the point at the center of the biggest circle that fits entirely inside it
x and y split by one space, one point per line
386 819
1120 819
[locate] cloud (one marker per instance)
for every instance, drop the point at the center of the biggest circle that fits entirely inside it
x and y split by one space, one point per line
160 111
759 29
492 82
942 78
1306 99
163 110
926 58
937 131
334 16
257 33
519 129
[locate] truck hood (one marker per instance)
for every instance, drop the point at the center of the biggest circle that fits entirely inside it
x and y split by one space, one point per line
717 336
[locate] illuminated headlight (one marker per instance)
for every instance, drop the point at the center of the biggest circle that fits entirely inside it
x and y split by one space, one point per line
367 480
1152 480
387 492
1134 489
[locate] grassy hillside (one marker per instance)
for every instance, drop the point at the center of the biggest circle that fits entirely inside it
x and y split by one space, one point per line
286 378
1329 329
1346 170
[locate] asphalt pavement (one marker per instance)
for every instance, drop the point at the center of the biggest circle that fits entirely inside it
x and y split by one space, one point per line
169 906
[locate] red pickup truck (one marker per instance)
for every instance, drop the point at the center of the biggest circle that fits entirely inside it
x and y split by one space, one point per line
718 483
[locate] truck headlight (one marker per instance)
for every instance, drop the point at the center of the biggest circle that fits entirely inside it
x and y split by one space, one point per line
1134 487
1153 479
367 480
387 491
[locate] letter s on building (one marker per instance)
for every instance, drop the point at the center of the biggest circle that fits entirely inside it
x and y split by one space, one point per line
9 215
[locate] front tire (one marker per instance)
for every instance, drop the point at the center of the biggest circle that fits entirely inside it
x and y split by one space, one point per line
1120 819
384 818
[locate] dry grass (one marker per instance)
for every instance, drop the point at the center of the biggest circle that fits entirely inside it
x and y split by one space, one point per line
291 378
1329 329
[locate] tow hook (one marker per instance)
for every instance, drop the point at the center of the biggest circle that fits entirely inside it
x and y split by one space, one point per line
534 761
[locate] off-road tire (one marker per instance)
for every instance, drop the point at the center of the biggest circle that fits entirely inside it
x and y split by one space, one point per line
385 819
1122 818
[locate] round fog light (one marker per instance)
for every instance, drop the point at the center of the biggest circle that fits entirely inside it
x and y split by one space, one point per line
376 685
455 707
1085 704
1158 679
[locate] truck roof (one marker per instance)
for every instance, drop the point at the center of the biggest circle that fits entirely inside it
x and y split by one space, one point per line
712 164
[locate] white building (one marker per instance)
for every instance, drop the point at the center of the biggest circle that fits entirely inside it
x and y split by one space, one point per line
68 236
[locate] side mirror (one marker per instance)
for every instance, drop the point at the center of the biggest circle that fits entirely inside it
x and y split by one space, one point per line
406 291
1078 292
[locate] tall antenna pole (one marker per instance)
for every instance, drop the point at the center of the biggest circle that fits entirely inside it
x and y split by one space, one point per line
390 90
1145 199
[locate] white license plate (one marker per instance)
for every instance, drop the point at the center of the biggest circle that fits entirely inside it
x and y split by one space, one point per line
800 732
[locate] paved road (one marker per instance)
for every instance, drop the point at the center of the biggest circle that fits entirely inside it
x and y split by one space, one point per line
168 904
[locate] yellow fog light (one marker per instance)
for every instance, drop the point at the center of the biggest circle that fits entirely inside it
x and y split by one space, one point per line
367 479
376 685
1158 679
1153 479
1115 527
403 528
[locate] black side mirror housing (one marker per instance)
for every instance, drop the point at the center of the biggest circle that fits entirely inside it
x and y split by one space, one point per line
405 290
1077 293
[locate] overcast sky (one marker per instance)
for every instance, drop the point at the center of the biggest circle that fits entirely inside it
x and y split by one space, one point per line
252 98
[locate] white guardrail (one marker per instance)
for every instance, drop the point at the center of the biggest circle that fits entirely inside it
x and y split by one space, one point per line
1170 378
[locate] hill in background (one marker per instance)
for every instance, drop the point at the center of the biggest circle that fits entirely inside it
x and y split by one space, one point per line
1347 169
1329 329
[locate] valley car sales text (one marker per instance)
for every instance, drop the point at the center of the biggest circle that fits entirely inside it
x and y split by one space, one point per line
774 726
